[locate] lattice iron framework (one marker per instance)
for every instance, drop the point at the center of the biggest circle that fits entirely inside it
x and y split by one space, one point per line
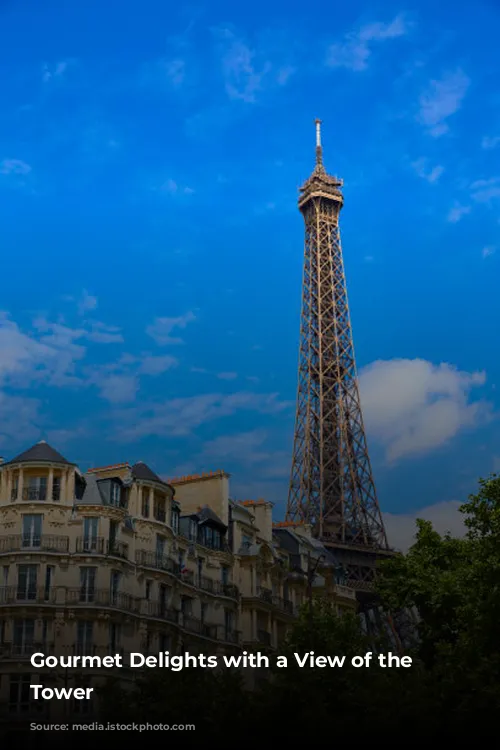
331 485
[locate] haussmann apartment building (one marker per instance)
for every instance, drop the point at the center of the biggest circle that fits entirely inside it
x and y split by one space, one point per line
117 560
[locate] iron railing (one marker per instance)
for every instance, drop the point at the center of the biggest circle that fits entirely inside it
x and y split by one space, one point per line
33 543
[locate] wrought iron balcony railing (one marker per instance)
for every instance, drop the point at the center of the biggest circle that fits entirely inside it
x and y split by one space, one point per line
25 649
92 597
161 611
26 594
29 542
217 587
157 560
117 549
90 545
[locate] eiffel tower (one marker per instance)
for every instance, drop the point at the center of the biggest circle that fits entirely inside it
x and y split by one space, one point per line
331 484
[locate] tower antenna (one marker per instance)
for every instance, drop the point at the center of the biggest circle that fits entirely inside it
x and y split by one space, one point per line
319 148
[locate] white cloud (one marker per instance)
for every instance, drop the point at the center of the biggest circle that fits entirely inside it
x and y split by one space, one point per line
457 212
14 166
161 329
442 99
118 389
445 517
151 365
175 71
490 142
427 173
171 187
181 416
248 71
55 71
87 302
487 251
20 419
413 406
484 191
227 375
354 51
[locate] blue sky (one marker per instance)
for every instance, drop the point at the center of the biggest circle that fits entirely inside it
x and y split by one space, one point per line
152 247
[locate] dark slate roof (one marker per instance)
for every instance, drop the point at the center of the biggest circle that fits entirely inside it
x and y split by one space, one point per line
92 493
207 514
140 470
40 452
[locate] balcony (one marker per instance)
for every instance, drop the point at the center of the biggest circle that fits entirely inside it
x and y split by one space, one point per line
158 561
10 595
265 595
26 649
90 545
87 596
20 542
117 549
160 611
230 636
218 588
194 625
284 604
159 515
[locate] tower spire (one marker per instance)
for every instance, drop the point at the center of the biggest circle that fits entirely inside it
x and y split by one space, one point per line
319 148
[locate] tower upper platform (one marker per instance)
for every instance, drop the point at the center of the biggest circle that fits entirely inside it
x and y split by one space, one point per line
320 184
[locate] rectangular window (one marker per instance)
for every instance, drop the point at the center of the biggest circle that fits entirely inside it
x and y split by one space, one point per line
56 489
32 530
147 593
87 584
193 530
160 548
203 612
159 510
246 541
49 576
84 637
24 636
175 520
224 575
113 533
5 576
37 489
26 582
19 693
186 606
114 638
228 622
163 599
145 505
115 586
164 642
115 494
90 531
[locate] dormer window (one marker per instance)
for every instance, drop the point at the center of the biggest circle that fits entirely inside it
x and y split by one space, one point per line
115 494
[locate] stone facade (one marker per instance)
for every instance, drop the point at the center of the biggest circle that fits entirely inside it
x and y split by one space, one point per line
118 560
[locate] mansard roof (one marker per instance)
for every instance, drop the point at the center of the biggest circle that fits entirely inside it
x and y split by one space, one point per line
41 452
140 470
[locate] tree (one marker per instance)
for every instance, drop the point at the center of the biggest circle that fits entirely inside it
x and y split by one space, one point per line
455 586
